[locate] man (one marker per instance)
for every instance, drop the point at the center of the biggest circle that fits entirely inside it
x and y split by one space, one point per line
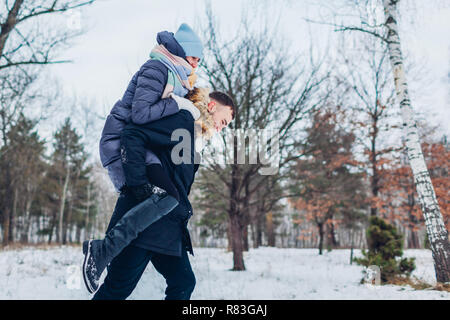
155 92
166 242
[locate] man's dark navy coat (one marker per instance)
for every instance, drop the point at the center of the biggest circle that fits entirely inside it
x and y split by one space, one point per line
170 233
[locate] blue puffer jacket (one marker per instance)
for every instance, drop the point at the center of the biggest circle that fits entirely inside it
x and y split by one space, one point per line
140 104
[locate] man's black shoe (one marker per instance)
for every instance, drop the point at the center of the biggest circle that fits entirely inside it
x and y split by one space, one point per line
91 273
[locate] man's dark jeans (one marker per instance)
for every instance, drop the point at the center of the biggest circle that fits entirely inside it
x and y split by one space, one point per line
127 268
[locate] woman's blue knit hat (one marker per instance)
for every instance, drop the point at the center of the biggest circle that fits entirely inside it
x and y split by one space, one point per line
189 41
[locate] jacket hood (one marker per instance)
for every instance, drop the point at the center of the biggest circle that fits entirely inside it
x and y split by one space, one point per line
168 40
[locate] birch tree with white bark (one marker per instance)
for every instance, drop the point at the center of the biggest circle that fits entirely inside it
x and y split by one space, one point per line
437 233
385 27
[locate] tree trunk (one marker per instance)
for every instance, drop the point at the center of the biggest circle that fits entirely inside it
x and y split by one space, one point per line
437 233
27 222
236 224
86 222
412 239
253 230
229 236
67 232
62 205
78 234
373 159
50 235
245 237
6 203
259 227
333 243
6 215
237 243
270 230
9 25
52 228
321 234
12 221
413 222
351 246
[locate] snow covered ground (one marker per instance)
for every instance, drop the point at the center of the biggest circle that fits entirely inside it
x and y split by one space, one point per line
272 273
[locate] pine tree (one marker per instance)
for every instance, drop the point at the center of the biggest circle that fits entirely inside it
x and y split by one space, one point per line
385 246
22 161
68 162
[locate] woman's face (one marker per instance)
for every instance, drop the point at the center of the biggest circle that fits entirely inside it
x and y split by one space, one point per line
193 61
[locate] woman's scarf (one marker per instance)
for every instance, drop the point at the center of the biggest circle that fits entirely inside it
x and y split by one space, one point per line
179 71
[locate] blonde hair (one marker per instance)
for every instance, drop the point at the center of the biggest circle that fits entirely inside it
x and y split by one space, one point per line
200 98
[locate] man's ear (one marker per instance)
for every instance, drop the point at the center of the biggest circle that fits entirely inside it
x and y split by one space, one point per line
212 106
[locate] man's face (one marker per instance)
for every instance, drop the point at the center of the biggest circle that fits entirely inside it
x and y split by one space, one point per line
193 61
222 115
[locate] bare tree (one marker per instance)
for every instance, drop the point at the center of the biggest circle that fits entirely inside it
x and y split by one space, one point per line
23 41
270 89
32 34
366 73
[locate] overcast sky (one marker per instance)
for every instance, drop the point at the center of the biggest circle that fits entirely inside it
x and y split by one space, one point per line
120 35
